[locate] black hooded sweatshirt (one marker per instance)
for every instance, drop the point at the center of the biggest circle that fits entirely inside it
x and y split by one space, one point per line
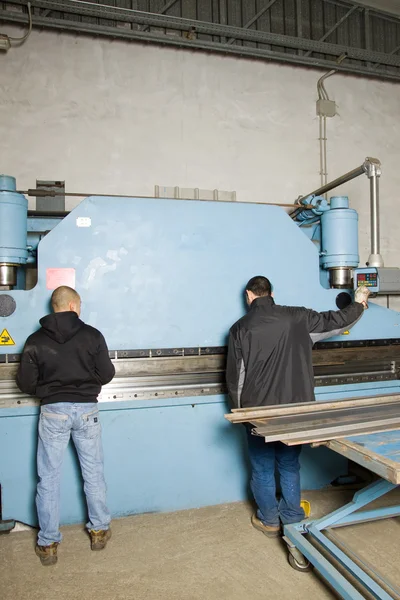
64 361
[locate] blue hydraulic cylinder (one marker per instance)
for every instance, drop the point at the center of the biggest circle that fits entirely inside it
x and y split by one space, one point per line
13 223
319 205
339 225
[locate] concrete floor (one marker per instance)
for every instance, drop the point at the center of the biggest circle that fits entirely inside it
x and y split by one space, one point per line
206 554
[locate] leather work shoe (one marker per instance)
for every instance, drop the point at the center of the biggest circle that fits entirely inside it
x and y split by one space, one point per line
99 538
268 530
47 554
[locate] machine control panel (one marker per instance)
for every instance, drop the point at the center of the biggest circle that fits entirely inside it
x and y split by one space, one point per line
379 280
370 280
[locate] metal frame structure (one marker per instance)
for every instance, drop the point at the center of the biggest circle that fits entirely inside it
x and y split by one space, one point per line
315 541
338 34
347 515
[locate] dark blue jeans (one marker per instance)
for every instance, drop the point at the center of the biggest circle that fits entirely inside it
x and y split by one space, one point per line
264 459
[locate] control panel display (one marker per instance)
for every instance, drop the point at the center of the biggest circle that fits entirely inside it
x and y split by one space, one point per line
367 279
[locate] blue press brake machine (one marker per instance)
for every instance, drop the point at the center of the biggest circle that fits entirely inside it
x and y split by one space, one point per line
163 280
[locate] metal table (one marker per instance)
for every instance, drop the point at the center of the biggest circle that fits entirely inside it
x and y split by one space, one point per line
379 453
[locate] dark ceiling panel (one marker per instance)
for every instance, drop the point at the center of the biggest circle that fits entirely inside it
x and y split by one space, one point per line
313 33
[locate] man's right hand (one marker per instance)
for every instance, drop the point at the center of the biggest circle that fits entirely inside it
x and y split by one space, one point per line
362 294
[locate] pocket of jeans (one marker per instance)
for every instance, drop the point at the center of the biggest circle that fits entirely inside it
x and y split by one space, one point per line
51 415
91 424
52 425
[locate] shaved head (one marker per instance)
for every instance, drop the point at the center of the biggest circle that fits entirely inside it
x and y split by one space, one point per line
65 299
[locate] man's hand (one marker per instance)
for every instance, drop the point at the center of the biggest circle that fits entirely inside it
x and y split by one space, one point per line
362 295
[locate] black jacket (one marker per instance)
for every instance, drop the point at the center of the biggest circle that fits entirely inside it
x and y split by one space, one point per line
270 351
64 361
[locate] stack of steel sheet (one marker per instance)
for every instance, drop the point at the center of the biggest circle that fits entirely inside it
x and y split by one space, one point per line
313 422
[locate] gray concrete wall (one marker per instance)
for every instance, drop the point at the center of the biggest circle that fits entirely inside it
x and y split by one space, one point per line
113 117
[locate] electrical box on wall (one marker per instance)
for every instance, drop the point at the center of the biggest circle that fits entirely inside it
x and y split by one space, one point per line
326 108
5 43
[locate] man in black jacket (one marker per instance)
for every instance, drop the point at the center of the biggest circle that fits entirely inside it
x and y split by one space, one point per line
270 362
65 363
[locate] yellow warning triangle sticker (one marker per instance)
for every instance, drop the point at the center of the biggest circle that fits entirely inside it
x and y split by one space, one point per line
6 339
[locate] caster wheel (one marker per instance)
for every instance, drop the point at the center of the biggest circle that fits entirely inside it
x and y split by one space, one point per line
305 567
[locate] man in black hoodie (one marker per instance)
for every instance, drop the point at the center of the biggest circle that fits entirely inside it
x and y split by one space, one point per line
65 363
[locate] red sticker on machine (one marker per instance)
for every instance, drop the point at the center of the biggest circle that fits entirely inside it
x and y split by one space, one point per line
57 277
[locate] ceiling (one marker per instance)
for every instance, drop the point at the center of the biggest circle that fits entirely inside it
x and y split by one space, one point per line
392 6
341 34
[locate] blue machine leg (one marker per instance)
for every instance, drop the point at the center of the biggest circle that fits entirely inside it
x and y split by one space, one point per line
294 537
6 526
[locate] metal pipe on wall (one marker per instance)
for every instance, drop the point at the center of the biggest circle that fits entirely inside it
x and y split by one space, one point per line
321 153
323 161
375 259
325 154
374 195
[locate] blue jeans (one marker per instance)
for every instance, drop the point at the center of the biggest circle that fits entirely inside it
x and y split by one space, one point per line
264 459
56 424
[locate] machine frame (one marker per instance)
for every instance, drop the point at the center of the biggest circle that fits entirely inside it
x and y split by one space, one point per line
378 453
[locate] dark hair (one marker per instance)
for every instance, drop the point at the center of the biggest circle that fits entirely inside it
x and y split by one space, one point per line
259 285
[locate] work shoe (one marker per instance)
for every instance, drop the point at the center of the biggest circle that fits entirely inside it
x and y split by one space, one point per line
270 531
47 554
99 538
